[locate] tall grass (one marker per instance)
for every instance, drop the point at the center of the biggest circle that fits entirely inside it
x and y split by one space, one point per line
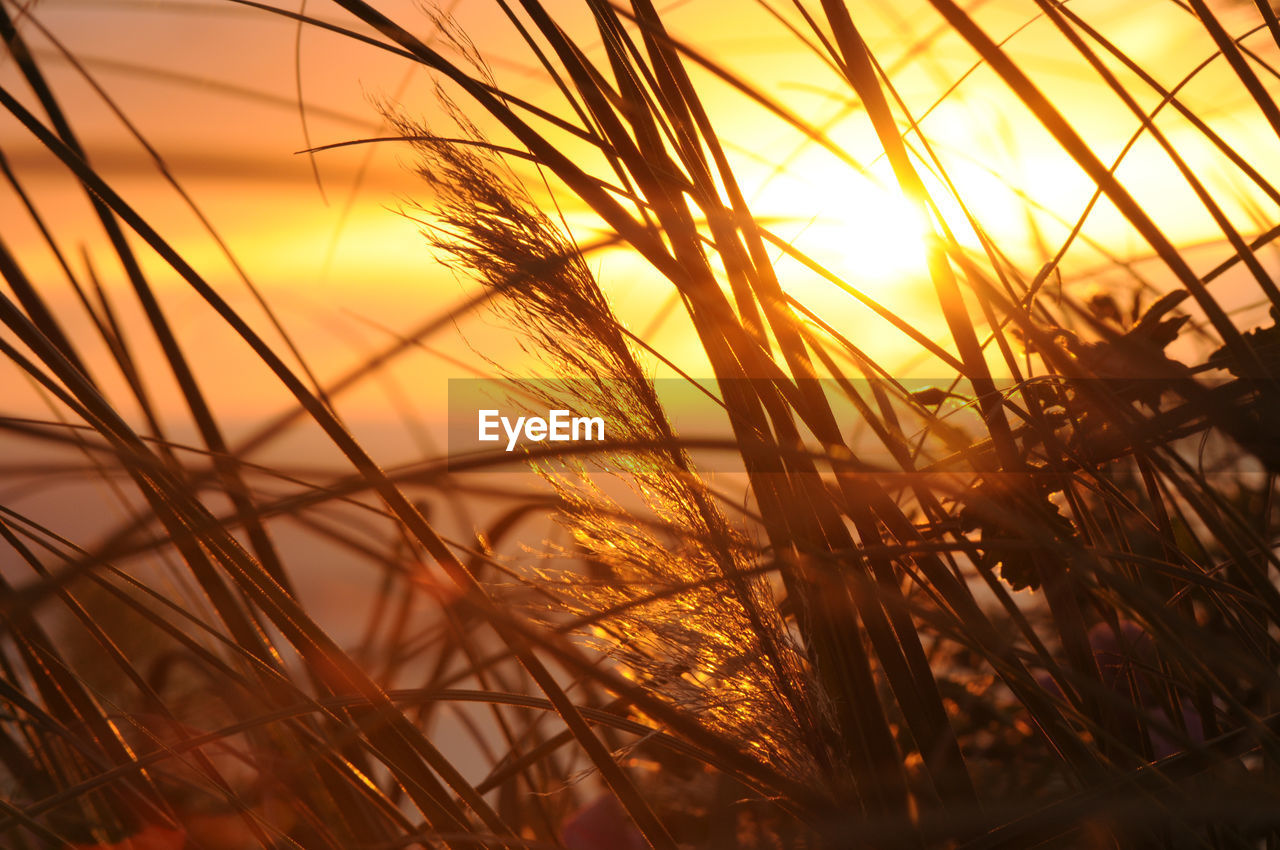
1052 623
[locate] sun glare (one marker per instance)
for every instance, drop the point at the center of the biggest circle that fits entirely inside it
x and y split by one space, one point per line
854 225
885 231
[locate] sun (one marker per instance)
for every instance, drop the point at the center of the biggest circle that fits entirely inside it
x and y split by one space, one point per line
884 232
860 226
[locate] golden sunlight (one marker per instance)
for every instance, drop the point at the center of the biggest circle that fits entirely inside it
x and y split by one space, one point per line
859 226
401 446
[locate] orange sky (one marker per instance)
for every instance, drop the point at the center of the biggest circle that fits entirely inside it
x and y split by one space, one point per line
212 87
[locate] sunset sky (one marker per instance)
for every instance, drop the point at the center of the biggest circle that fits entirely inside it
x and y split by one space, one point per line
213 88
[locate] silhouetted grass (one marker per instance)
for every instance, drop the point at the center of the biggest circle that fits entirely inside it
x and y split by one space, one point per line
1046 613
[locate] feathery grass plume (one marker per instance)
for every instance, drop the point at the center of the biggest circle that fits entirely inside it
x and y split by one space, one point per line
687 611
